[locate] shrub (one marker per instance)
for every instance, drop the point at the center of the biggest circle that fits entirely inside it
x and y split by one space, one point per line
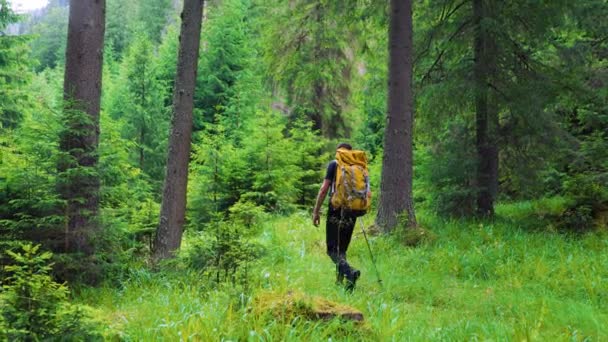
447 172
34 307
224 251
589 200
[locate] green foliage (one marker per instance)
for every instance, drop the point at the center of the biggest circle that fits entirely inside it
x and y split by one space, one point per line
50 32
247 213
154 16
583 168
224 252
225 66
167 62
446 171
129 204
269 170
7 16
589 200
517 279
370 94
15 74
523 86
309 161
219 174
34 307
119 27
30 208
136 100
271 164
309 55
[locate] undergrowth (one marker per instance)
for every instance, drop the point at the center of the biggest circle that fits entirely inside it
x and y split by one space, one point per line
473 280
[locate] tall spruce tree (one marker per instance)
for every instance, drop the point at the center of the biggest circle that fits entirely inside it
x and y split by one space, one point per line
228 53
14 71
486 109
173 208
397 169
79 184
310 58
484 79
137 99
49 44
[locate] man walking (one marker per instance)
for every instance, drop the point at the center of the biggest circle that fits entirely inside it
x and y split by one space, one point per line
342 212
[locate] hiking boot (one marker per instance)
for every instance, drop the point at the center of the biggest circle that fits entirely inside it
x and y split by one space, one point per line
342 270
339 278
351 279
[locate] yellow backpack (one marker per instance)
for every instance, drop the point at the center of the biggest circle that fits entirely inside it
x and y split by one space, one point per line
352 190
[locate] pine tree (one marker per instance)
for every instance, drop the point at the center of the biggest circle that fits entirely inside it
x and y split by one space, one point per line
482 66
310 58
154 15
48 46
138 102
173 208
308 160
271 164
79 185
14 71
397 166
228 53
120 26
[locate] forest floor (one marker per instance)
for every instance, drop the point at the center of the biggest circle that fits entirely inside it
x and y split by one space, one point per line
468 280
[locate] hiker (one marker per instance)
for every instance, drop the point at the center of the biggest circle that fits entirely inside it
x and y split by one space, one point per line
341 217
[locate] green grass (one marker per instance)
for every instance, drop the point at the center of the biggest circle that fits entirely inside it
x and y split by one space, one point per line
474 281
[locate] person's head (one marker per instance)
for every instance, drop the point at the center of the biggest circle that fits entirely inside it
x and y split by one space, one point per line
344 146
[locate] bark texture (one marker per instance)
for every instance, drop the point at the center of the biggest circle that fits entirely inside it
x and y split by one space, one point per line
79 185
486 110
397 170
173 207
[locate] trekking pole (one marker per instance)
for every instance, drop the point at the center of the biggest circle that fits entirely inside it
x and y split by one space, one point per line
369 248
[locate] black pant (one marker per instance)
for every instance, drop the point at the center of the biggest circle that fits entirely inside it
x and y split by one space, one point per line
338 232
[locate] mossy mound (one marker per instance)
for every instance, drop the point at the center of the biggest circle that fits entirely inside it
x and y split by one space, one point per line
415 236
288 306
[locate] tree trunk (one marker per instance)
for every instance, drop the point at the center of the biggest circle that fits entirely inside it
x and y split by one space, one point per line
173 207
486 111
79 182
319 95
397 170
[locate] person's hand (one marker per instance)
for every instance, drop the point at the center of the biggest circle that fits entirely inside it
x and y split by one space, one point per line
316 218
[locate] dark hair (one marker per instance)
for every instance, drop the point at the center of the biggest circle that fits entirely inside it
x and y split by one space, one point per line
344 146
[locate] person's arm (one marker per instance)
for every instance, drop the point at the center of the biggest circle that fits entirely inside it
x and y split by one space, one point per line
316 216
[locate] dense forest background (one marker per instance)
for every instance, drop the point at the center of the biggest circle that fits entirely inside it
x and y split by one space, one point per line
521 122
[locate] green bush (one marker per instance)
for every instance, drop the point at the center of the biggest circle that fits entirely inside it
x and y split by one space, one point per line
224 251
589 200
34 307
448 172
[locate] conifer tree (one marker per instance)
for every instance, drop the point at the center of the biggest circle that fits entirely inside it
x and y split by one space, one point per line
309 53
14 71
138 102
308 160
120 26
271 164
483 81
397 169
228 53
154 15
173 208
50 33
79 185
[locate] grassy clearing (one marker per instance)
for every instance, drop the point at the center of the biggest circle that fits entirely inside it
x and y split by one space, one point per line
474 280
